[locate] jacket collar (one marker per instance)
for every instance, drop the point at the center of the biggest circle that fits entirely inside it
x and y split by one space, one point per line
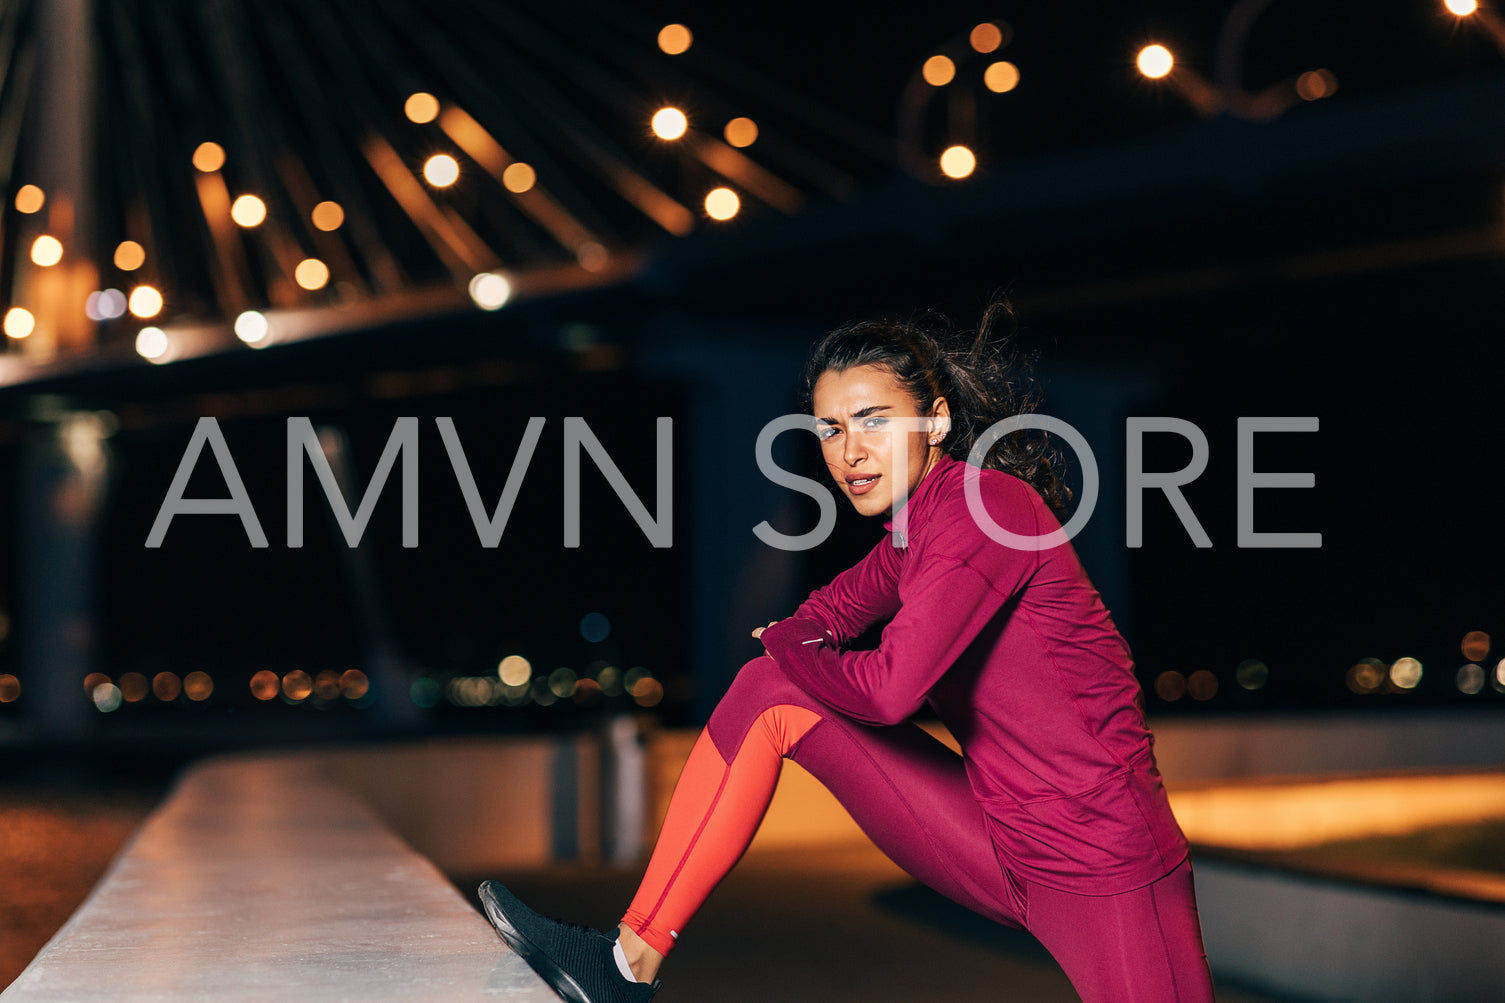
925 494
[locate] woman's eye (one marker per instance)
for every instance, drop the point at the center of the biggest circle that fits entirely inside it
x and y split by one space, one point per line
825 432
874 422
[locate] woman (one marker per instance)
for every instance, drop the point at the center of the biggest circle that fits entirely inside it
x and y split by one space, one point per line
1054 819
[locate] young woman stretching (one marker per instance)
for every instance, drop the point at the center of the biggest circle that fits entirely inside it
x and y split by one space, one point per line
1054 819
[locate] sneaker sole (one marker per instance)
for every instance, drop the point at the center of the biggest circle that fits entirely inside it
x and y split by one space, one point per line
558 979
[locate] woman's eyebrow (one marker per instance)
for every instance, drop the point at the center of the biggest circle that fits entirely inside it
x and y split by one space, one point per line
870 409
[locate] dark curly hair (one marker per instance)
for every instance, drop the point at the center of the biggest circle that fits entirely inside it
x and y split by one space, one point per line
982 375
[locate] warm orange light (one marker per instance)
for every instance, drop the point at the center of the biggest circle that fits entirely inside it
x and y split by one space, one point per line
421 107
30 199
1170 685
1463 8
265 685
1001 77
1475 646
938 71
94 680
722 203
441 170
134 687
248 211
328 216
1155 61
129 256
167 686
297 685
199 686
209 157
145 302
1315 84
327 685
1202 685
19 322
958 162
669 123
986 37
354 684
311 274
519 177
46 250
648 692
741 132
674 39
592 255
10 688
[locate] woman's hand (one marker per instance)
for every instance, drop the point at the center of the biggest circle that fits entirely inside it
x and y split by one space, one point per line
758 631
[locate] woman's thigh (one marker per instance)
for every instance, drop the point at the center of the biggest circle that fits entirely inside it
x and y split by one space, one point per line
1143 946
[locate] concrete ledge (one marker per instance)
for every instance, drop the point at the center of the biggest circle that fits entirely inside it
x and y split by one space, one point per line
262 878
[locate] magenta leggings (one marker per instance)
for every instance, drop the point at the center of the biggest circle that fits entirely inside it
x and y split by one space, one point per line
911 796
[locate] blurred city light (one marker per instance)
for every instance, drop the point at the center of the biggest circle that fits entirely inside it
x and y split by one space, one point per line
19 322
421 107
424 692
152 343
209 157
675 39
490 290
1202 685
1475 646
441 170
1170 685
145 301
106 698
327 216
252 326
30 199
595 627
562 682
1155 61
938 71
1406 673
669 123
327 685
248 211
722 203
134 687
1001 77
592 255
1314 85
958 162
10 688
1470 678
986 37
198 685
94 680
166 686
311 274
265 685
648 692
1252 674
1463 8
297 685
129 256
1366 675
741 132
46 251
354 685
519 177
514 670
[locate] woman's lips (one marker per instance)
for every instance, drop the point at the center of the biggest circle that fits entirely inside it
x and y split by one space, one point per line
862 485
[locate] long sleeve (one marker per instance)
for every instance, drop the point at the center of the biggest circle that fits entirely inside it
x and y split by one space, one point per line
859 597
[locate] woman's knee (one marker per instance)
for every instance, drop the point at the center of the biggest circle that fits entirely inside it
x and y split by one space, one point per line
759 685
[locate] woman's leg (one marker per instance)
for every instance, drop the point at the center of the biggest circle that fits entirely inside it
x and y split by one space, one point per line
908 792
1143 946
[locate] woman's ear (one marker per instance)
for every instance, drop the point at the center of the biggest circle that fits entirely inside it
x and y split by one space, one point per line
940 417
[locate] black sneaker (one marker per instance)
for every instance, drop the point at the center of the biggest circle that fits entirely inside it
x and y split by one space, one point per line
576 961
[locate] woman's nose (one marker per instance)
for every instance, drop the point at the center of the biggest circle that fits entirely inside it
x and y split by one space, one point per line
854 449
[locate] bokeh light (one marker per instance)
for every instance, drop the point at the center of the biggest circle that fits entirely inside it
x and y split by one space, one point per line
441 170
354 685
595 627
252 326
592 255
152 343
424 692
135 687
669 123
675 39
1463 8
106 698
46 251
1366 675
490 290
958 162
1475 646
514 670
519 177
198 685
1406 673
311 274
1170 685
92 680
265 685
986 37
1313 85
166 686
145 301
421 107
938 71
19 322
106 304
30 199
1001 77
1470 678
648 692
1252 674
248 211
1497 678
10 688
328 216
1202 685
297 685
1155 61
209 157
129 256
722 203
741 132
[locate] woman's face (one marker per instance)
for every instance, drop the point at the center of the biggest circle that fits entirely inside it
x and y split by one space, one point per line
870 454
